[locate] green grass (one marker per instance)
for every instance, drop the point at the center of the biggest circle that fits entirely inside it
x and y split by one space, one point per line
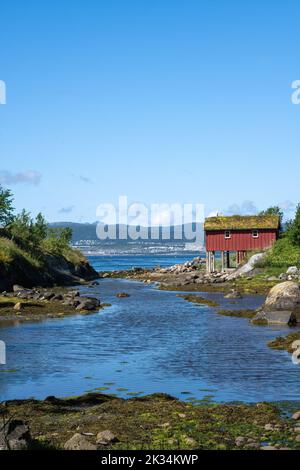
281 256
10 252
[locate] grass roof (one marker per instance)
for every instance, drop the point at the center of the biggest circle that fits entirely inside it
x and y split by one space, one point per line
239 222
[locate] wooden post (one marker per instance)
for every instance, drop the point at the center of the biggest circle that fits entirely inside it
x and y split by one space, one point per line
213 261
208 261
222 260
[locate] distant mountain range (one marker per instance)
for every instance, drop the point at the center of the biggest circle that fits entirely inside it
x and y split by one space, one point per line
85 234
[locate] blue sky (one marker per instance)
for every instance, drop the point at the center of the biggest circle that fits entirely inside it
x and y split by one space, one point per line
162 101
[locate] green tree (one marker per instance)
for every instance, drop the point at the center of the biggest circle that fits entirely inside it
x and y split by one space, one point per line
21 228
40 228
58 239
274 210
294 228
6 207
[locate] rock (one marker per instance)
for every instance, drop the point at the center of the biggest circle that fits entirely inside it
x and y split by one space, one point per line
260 319
18 307
57 298
48 296
268 448
233 294
15 435
240 441
106 437
79 442
122 295
269 427
274 318
88 303
25 294
297 439
296 416
17 288
248 267
293 270
190 441
283 296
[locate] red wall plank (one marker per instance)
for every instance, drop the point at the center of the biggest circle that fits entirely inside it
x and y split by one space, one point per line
241 240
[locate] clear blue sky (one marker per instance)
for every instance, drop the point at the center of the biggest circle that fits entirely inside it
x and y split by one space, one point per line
161 100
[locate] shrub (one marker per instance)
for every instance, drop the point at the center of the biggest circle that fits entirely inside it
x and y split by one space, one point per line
283 254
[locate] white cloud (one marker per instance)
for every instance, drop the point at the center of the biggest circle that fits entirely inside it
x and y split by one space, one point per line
66 210
25 177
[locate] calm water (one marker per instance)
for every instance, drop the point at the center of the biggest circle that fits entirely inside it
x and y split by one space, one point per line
152 341
118 262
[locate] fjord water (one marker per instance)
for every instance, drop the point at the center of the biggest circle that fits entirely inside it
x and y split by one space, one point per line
125 261
152 341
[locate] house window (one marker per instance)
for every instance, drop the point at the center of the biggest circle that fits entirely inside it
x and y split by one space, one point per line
254 233
227 234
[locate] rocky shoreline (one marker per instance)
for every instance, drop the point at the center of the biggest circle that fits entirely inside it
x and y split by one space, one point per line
40 303
96 421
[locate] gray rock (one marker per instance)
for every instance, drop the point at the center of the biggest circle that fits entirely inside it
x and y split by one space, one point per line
79 442
233 294
17 288
57 298
248 267
88 303
15 435
276 317
106 437
25 294
296 416
293 270
269 427
283 296
18 307
240 441
48 296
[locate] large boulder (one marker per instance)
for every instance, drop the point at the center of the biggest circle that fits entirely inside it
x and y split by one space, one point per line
283 296
88 303
79 442
15 435
282 305
247 268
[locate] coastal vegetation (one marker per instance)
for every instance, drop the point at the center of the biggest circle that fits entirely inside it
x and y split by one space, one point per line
284 343
157 421
32 254
197 299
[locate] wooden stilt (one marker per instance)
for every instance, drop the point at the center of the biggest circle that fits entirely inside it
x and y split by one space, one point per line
222 261
228 259
213 261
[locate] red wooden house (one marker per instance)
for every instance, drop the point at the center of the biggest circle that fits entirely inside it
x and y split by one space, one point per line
239 234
